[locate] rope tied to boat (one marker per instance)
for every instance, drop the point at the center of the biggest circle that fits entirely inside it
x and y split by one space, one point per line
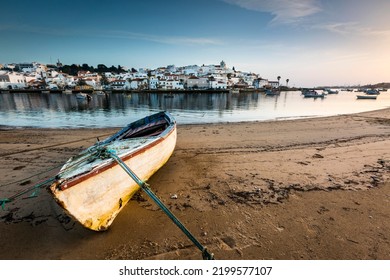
97 151
145 187
3 201
33 190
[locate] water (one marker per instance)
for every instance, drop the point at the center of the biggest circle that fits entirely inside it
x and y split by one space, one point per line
115 110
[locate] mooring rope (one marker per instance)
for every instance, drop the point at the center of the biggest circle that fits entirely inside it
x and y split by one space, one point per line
145 187
32 176
34 189
92 154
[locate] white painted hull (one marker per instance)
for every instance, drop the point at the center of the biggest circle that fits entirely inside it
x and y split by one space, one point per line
96 200
366 96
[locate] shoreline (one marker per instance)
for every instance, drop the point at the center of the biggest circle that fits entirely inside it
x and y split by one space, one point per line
312 188
278 119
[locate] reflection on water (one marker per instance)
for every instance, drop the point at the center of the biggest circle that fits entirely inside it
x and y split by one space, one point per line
65 110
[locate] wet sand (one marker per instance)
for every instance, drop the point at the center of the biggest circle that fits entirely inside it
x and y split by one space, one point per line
296 189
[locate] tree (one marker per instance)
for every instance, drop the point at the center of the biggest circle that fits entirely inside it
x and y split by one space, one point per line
113 69
74 69
287 80
104 81
120 69
85 67
102 68
81 82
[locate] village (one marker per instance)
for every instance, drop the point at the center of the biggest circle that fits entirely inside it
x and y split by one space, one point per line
55 77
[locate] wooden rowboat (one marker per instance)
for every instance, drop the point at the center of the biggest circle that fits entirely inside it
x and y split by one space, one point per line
93 188
366 96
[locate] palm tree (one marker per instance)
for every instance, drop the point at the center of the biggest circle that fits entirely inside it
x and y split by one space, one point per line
279 80
287 80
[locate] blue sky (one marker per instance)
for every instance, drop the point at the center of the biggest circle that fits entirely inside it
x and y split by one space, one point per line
310 42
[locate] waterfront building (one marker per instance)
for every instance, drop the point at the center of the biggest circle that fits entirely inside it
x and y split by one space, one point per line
12 80
153 82
273 84
118 84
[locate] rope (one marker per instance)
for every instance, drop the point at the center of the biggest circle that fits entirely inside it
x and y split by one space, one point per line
145 187
34 189
32 176
51 146
94 153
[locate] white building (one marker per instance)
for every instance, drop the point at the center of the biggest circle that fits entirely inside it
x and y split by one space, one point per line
12 80
273 84
153 83
218 84
118 84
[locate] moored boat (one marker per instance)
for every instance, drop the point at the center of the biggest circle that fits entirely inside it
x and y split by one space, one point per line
368 96
331 91
312 94
83 96
372 91
93 188
272 92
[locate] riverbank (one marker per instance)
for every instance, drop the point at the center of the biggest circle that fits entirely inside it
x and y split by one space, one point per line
296 189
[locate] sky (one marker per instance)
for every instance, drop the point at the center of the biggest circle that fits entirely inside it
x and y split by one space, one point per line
309 42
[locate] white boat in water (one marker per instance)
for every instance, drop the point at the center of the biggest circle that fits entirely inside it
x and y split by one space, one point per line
312 94
367 96
272 92
372 91
93 188
331 91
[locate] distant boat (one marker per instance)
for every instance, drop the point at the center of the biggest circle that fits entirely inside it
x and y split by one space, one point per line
272 92
93 188
67 91
372 96
372 91
312 94
83 96
234 91
331 91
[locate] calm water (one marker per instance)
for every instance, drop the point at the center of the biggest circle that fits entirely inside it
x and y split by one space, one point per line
114 110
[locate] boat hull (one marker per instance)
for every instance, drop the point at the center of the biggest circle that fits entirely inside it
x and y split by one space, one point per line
97 198
366 96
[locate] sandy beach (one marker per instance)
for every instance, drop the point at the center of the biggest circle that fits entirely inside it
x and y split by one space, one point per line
295 189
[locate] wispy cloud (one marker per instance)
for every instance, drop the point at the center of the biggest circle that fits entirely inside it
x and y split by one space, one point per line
352 28
284 11
119 34
164 39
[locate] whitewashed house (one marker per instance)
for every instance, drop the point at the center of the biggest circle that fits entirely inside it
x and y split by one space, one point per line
153 82
218 84
118 84
261 83
273 84
138 83
12 80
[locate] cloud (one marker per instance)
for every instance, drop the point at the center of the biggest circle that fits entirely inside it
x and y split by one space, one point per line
164 39
120 34
352 28
284 11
